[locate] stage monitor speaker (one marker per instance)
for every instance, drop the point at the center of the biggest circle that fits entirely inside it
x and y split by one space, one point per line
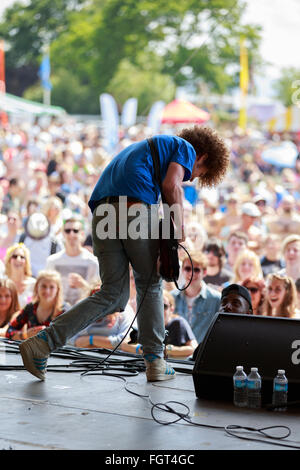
267 343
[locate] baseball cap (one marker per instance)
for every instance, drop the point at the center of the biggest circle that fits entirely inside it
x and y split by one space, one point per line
37 226
250 209
240 290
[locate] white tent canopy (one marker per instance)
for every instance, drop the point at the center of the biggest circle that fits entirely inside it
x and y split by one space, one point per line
14 104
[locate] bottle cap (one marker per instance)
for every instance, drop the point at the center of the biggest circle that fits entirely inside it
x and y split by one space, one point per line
254 369
281 371
239 368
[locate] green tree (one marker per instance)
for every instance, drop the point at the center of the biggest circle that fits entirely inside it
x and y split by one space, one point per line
286 86
149 85
189 41
68 91
26 29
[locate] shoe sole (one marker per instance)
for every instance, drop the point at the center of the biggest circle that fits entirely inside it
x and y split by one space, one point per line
27 361
159 378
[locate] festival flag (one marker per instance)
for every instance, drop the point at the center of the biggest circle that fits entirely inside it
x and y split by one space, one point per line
129 112
244 82
2 67
110 117
155 116
44 72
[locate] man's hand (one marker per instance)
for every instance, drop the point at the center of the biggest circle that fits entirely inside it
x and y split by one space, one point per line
27 333
76 281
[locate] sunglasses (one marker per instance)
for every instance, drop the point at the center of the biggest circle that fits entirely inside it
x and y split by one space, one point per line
69 230
188 269
18 256
253 290
166 306
260 203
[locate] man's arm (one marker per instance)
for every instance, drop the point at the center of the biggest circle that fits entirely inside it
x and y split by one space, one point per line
182 351
98 342
173 193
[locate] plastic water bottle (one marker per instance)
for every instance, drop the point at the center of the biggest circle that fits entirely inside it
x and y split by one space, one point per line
254 388
280 391
240 387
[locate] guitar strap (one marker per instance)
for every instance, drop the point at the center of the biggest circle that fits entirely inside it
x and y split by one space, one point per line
156 165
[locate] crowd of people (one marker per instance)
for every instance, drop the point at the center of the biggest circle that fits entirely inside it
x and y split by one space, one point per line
246 232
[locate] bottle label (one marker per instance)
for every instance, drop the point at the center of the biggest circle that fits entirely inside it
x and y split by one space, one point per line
253 384
240 383
280 387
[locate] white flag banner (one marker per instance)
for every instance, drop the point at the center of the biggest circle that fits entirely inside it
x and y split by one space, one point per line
129 112
155 116
110 117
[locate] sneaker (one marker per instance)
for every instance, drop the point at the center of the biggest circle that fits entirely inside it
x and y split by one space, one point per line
157 368
35 352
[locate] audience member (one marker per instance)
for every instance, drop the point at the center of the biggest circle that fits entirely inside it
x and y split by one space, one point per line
247 265
46 305
39 241
237 241
18 269
12 234
216 274
52 208
297 284
281 297
286 221
231 217
212 221
271 260
198 302
180 340
77 266
107 332
32 206
291 255
250 216
256 287
12 200
196 234
9 303
236 299
264 207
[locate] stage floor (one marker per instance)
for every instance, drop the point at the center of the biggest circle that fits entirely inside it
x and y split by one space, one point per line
69 411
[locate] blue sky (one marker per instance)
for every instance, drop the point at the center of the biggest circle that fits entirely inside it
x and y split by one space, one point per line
280 36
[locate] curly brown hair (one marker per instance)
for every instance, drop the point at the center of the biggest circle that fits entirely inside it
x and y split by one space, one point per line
206 140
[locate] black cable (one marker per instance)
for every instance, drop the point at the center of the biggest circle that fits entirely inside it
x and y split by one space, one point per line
83 360
229 429
175 280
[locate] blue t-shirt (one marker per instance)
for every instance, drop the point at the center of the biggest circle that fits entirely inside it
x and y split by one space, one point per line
131 172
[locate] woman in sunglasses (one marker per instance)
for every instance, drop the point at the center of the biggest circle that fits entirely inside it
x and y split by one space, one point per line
281 297
18 269
256 287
